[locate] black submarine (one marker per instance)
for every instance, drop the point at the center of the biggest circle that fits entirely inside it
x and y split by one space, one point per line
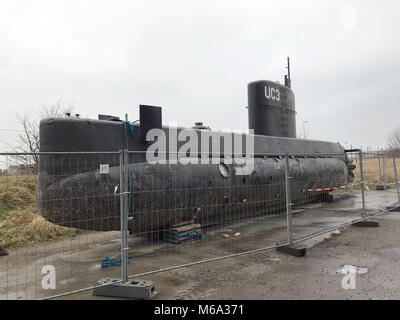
73 192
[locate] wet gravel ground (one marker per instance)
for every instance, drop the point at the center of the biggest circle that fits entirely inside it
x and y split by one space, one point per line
274 275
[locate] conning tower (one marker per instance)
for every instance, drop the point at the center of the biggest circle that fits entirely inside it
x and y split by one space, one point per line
271 108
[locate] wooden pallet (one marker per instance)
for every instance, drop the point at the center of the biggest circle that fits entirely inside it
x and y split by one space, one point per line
184 232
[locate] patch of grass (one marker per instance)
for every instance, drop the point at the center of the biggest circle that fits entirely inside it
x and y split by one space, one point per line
3 209
20 220
371 172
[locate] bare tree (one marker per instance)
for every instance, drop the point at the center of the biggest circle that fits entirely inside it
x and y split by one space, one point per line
394 140
29 139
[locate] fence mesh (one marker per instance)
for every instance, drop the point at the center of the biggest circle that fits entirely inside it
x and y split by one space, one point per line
67 218
47 222
182 214
380 180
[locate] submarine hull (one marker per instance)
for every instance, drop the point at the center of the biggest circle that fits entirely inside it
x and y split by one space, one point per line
72 191
164 194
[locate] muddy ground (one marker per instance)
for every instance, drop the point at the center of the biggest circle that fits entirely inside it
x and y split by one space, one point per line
266 275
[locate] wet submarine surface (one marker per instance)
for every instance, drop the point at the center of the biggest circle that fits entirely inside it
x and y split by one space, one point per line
73 192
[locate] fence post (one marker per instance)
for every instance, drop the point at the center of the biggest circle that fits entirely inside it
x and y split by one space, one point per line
397 180
290 248
112 287
360 157
384 172
288 202
124 190
364 222
379 168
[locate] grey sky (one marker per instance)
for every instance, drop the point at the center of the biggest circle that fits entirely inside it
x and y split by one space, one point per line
195 58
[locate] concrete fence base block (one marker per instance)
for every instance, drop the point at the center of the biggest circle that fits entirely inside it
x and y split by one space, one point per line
292 250
366 224
140 289
393 208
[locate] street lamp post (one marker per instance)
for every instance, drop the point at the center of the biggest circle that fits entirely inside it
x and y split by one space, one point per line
304 128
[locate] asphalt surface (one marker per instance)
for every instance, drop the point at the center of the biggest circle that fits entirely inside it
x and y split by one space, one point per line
273 275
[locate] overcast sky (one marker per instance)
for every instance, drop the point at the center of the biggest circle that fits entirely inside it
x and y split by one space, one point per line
195 58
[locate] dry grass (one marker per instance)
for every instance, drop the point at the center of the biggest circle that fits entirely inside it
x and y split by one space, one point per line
20 221
371 170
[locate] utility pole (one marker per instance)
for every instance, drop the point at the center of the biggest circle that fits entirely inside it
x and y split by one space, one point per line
304 128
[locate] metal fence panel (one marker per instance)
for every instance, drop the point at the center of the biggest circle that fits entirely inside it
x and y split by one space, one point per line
380 180
47 222
323 198
95 215
188 213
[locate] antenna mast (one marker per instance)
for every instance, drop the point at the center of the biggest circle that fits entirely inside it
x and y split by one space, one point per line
288 81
